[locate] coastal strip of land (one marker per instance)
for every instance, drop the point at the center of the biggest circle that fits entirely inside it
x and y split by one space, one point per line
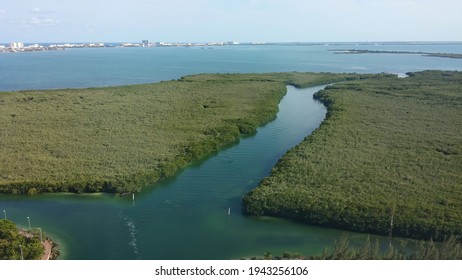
22 244
16 244
121 139
386 160
361 51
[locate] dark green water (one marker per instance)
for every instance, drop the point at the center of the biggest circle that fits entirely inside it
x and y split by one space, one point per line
186 217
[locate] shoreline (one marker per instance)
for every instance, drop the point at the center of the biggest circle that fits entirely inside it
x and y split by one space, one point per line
363 51
384 215
51 251
270 87
358 162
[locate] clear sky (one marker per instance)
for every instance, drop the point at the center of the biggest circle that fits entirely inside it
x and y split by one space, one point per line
230 20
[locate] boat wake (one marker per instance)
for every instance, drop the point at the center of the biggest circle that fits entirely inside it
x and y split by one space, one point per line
130 224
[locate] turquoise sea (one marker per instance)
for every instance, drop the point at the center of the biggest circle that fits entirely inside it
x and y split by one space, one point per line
118 66
197 213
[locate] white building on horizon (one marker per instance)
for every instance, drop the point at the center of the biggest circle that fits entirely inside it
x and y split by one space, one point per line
17 45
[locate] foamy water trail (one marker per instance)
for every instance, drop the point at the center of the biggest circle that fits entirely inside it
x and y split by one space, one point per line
130 224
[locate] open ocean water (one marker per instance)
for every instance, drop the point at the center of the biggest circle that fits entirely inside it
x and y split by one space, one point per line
79 68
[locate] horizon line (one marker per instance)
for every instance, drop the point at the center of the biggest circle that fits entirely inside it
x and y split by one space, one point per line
251 42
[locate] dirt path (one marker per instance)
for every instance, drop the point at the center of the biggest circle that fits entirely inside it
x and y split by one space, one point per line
47 245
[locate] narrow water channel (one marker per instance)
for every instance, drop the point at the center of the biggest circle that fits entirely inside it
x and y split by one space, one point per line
196 214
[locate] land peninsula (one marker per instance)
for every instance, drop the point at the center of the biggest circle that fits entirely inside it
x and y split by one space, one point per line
18 245
120 139
389 149
360 51
386 160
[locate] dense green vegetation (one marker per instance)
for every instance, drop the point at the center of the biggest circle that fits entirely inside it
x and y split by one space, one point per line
450 249
344 249
12 242
119 139
389 148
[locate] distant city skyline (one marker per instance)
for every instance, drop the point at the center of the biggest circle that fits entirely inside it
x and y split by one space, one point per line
237 20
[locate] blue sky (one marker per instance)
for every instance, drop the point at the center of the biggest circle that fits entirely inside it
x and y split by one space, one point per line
230 20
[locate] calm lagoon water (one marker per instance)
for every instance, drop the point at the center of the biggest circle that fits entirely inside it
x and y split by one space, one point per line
186 217
120 66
